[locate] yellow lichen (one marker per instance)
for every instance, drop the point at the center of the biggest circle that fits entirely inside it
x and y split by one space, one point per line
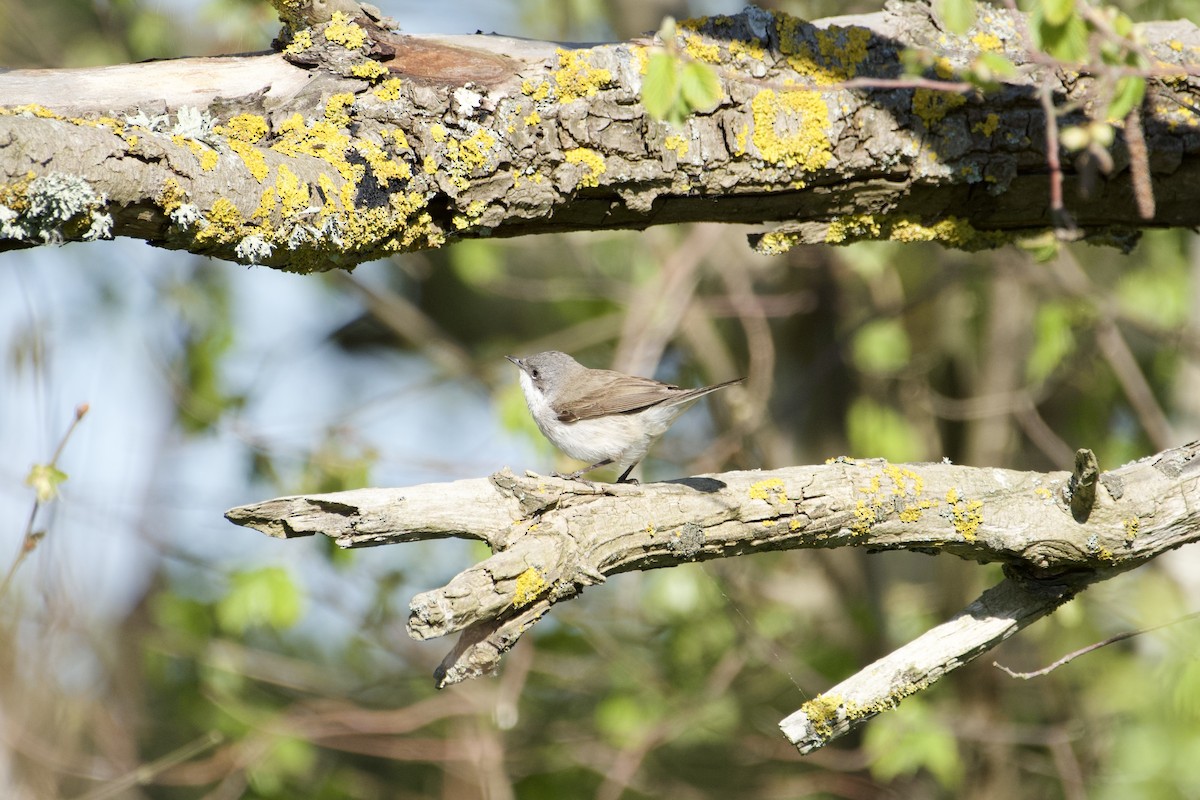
300 42
931 105
1131 529
840 51
252 157
323 139
399 138
739 145
952 231
536 91
345 32
575 78
803 116
248 128
388 91
336 112
530 584
865 516
590 159
988 42
36 110
699 49
266 206
208 158
752 50
988 125
822 713
534 118
776 243
292 192
967 515
224 223
371 70
473 152
844 46
851 227
383 167
171 196
770 490
677 143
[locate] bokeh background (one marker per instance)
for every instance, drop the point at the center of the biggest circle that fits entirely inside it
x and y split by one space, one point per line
150 649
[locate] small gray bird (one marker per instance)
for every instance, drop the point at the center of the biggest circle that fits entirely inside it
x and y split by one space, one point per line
599 415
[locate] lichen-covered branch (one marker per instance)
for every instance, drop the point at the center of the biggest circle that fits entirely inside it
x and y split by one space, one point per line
552 538
354 141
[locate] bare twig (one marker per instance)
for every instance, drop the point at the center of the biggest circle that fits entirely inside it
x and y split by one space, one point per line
1063 224
29 541
1069 657
147 772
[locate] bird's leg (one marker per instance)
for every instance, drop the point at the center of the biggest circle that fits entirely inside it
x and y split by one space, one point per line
574 476
625 476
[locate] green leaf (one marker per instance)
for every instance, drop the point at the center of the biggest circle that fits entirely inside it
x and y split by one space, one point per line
660 88
477 264
910 739
44 480
876 430
261 597
1042 247
958 15
881 347
623 719
287 761
1066 42
700 86
1128 96
1053 341
999 66
1057 12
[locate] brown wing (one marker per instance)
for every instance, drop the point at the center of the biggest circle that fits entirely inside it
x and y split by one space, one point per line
613 393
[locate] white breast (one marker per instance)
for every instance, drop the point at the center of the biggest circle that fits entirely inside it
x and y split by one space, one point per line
620 438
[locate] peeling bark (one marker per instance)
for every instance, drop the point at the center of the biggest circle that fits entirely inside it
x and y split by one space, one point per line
356 142
552 538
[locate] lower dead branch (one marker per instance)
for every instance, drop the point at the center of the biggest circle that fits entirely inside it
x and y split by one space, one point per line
551 538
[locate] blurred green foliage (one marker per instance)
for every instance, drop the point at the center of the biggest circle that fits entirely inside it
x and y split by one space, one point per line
670 683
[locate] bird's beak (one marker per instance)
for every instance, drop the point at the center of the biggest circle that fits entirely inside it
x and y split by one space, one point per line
516 361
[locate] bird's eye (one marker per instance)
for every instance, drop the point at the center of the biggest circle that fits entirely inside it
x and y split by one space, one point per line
533 373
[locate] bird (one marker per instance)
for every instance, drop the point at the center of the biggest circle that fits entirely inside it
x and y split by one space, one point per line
600 415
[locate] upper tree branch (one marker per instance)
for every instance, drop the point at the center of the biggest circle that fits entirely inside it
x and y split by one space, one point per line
357 142
552 538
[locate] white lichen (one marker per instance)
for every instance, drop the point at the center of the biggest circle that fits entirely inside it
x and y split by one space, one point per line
195 123
254 249
187 215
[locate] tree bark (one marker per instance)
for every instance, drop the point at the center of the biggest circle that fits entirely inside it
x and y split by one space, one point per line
355 142
1055 533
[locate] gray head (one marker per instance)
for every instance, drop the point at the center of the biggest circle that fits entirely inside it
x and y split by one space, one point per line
547 371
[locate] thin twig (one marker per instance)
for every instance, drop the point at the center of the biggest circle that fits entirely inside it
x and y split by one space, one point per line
29 541
1058 213
1139 164
1069 657
147 772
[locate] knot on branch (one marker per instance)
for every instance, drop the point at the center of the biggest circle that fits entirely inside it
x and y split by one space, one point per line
1081 488
1056 587
303 13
